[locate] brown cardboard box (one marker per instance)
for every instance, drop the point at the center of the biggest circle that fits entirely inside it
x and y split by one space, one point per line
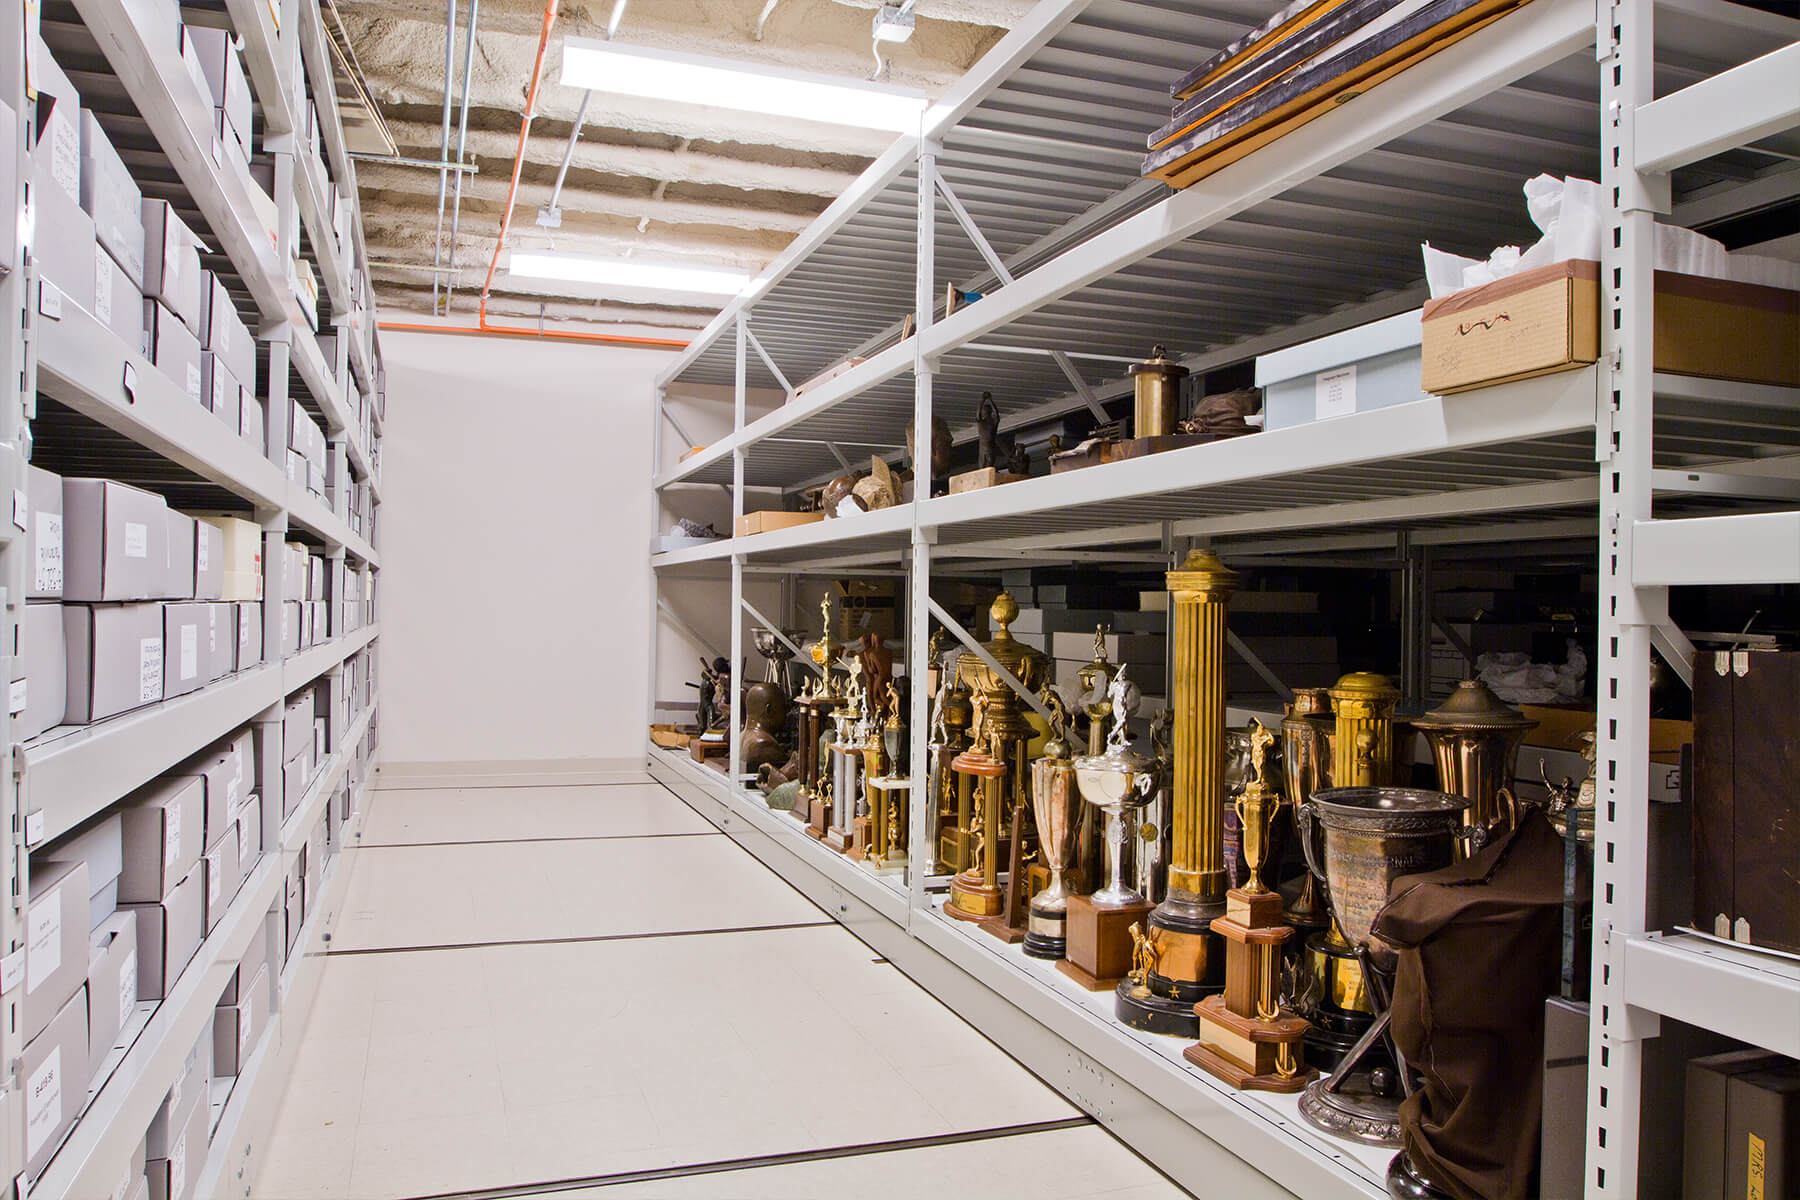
1561 727
763 522
1548 320
1705 1149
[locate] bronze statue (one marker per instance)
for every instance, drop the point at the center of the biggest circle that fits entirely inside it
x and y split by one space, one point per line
765 713
877 663
714 685
987 432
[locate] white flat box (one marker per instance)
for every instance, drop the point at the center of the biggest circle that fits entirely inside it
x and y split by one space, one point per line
294 774
256 955
171 263
222 331
292 915
40 685
209 560
1372 366
240 557
169 933
118 302
111 985
224 77
9 182
223 875
115 541
56 939
220 775
290 628
55 1070
63 246
316 577
249 636
44 534
115 659
296 725
178 577
221 639
220 390
101 848
111 197
250 422
174 349
249 834
164 825
238 1027
56 156
184 647
306 625
174 1177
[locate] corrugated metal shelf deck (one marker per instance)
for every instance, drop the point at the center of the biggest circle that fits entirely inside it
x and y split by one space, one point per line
73 772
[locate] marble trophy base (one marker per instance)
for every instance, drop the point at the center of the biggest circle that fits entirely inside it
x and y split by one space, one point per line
1046 932
1099 941
885 864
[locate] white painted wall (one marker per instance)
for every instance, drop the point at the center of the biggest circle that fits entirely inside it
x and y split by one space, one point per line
514 530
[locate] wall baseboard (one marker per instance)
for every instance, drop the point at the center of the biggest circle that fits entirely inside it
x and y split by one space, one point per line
547 772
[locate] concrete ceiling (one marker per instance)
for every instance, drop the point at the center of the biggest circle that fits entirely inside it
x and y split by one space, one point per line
656 181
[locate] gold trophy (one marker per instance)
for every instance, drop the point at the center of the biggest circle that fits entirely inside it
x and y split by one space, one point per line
1189 964
950 717
1244 1038
865 836
847 760
980 770
814 805
887 795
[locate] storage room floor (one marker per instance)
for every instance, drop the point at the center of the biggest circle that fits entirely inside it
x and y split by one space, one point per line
588 991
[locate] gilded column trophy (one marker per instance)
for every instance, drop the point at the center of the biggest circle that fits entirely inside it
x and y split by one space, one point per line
1188 961
846 751
980 772
865 834
950 717
1244 1038
1105 930
1057 808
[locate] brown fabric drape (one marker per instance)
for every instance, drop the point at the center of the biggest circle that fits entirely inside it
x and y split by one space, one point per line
1479 950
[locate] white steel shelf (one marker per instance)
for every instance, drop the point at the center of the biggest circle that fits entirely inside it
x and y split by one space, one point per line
311 513
1734 549
305 817
312 193
73 772
1729 989
885 528
84 365
1745 104
271 79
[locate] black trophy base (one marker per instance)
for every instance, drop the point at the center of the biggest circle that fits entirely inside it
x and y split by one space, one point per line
1140 1008
1405 1182
1328 1041
1040 946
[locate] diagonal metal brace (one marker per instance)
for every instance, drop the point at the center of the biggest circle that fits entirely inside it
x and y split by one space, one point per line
1676 650
768 362
781 637
993 664
1258 665
680 624
1006 277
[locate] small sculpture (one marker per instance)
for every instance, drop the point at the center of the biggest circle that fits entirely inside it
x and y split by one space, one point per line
715 679
1017 461
942 443
838 498
765 713
987 432
877 489
1144 953
876 664
1123 696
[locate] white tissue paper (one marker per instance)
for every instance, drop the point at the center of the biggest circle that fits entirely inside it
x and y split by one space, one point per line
1571 214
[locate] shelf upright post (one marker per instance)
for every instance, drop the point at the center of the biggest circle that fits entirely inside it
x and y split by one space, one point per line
734 764
920 803
658 405
1623 434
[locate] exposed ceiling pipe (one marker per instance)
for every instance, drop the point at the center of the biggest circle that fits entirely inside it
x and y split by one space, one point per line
762 20
512 194
612 22
437 249
462 141
609 339
550 216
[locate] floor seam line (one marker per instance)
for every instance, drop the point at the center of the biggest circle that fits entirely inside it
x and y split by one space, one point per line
762 1161
524 841
599 937
399 786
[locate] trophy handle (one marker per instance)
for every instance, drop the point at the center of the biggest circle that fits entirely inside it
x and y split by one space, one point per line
1305 819
1506 797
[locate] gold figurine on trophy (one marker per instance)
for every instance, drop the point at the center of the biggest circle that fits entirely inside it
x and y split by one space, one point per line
1244 1039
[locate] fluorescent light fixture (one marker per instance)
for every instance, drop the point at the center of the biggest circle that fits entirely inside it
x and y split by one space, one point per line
627 273
746 87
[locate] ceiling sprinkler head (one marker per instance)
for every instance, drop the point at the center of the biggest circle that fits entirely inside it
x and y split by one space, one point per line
893 24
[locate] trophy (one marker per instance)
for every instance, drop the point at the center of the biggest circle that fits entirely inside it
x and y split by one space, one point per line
1057 808
887 795
975 892
813 806
950 717
1244 1038
847 761
1188 954
1475 740
865 836
776 653
1367 837
1096 681
1118 782
1303 772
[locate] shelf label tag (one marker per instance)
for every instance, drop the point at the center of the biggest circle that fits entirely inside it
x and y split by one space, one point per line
34 827
49 300
127 987
43 1103
48 569
137 540
43 939
102 287
1334 393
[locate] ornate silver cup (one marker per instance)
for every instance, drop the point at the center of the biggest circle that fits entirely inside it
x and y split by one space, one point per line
1056 806
1116 782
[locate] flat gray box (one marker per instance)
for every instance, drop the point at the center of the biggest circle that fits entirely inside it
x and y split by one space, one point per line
115 659
222 331
178 575
250 635
223 875
63 246
256 955
296 725
110 195
1371 366
56 941
40 684
209 561
221 639
290 628
111 984
101 847
115 541
174 349
238 1026
222 788
169 933
55 1068
294 774
220 390
171 263
118 302
184 647
56 157
44 534
164 824
249 834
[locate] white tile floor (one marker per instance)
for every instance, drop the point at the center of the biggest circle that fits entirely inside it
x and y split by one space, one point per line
527 1060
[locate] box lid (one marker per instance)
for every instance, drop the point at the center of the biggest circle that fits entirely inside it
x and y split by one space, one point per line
1399 332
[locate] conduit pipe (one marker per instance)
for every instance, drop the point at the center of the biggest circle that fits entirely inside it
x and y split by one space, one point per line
437 249
486 330
462 141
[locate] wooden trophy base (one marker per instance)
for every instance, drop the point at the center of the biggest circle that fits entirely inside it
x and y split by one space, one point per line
973 900
1099 937
1243 1051
981 477
859 839
839 840
1012 935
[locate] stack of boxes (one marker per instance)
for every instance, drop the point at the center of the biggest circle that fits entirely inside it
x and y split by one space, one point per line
176 1142
243 1009
128 602
304 743
54 1011
306 459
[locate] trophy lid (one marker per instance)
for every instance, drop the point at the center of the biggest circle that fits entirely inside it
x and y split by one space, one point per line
1007 650
1158 364
1311 702
1363 685
1473 706
1202 571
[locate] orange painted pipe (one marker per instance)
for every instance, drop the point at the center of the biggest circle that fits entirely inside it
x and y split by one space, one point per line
609 339
512 192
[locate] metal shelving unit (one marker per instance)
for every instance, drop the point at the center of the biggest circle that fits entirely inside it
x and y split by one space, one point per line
1023 186
106 407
